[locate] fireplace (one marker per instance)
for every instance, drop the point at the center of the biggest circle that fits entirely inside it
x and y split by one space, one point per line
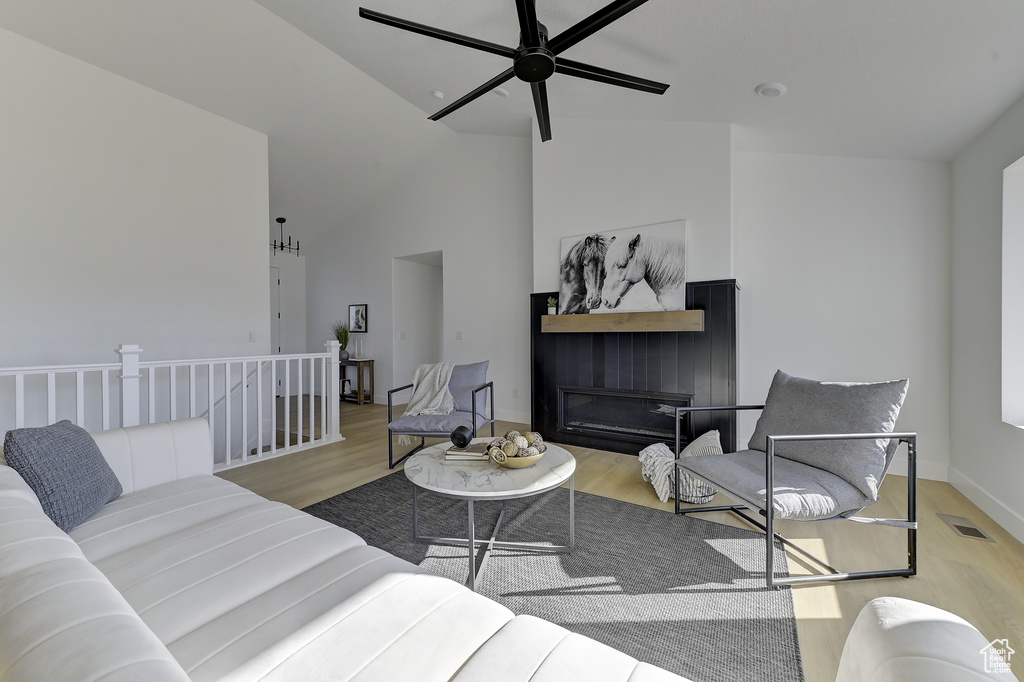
632 416
605 390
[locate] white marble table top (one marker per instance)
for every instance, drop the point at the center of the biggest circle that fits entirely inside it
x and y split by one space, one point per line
429 470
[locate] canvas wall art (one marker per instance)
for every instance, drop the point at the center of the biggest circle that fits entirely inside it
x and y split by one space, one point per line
631 270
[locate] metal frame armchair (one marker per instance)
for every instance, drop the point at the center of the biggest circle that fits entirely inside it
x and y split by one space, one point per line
789 480
466 384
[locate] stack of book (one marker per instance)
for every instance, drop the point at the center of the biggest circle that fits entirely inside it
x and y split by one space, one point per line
474 452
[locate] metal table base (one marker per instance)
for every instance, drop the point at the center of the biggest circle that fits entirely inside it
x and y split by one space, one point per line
473 543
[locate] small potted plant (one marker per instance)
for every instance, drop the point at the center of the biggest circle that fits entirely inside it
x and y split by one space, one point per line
552 305
340 330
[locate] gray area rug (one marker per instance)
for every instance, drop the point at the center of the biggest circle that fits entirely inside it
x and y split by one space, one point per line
677 592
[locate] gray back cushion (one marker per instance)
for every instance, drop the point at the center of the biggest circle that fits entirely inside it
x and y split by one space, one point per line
65 468
797 406
464 379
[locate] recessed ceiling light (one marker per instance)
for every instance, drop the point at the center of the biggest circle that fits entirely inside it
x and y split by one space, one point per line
438 94
770 89
500 92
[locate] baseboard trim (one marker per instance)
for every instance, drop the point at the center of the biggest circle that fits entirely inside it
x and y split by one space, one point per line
1010 520
932 471
510 416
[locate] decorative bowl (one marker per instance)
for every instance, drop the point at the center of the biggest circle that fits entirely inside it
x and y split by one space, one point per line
520 462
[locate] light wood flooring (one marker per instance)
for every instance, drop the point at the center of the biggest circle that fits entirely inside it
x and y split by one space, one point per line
981 581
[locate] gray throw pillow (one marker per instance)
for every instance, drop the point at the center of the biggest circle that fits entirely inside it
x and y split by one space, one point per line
66 470
463 380
797 406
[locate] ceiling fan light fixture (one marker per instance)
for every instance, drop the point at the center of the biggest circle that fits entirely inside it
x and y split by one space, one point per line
438 94
534 60
770 90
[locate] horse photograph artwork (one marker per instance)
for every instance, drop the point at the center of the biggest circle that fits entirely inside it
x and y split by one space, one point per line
631 270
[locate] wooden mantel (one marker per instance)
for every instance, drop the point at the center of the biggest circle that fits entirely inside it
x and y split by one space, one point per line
656 321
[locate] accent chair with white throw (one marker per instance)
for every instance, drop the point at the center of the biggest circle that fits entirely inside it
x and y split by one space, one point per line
444 397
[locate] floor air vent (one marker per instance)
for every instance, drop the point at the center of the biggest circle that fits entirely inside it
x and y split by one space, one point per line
965 528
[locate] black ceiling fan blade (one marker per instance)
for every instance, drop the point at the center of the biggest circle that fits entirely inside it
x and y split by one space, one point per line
482 90
438 33
540 102
596 73
592 24
528 30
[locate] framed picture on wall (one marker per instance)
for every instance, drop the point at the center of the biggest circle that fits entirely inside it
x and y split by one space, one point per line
357 318
630 270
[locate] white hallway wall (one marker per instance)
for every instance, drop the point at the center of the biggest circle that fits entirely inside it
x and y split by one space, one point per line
470 200
128 217
987 463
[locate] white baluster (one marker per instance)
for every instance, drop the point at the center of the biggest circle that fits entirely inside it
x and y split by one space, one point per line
19 401
80 398
51 397
129 384
334 349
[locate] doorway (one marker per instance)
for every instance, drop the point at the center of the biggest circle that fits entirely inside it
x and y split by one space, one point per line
418 309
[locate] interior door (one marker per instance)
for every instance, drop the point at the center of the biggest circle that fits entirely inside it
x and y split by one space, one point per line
275 316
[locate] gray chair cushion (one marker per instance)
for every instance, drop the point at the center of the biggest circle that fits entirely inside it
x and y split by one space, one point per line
797 406
801 492
440 425
464 379
65 469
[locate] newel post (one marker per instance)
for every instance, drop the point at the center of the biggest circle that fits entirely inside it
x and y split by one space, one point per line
129 384
334 390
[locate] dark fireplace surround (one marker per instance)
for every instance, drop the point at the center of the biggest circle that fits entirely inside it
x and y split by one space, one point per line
618 391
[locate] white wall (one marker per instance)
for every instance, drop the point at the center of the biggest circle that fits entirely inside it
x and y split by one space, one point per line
418 316
844 265
128 217
470 200
1013 294
604 175
987 463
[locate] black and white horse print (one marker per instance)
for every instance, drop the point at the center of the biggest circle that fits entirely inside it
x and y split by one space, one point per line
661 261
581 276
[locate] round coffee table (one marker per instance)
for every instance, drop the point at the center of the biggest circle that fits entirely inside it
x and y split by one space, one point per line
471 481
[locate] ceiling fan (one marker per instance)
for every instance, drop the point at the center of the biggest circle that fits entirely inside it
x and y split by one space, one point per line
536 58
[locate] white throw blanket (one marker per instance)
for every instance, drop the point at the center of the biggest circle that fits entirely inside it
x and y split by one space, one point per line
430 394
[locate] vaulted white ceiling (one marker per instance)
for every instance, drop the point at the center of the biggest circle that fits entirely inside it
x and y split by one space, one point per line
891 78
344 101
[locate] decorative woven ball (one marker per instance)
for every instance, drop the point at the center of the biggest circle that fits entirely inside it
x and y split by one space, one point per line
532 437
498 455
541 448
511 435
530 452
510 449
521 442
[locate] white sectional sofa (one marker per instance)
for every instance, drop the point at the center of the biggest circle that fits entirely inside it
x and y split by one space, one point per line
187 576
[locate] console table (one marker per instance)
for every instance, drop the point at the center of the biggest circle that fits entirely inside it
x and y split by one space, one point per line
363 366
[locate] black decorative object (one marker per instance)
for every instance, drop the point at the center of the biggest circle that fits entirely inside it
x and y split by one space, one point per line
281 245
536 58
462 436
635 372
